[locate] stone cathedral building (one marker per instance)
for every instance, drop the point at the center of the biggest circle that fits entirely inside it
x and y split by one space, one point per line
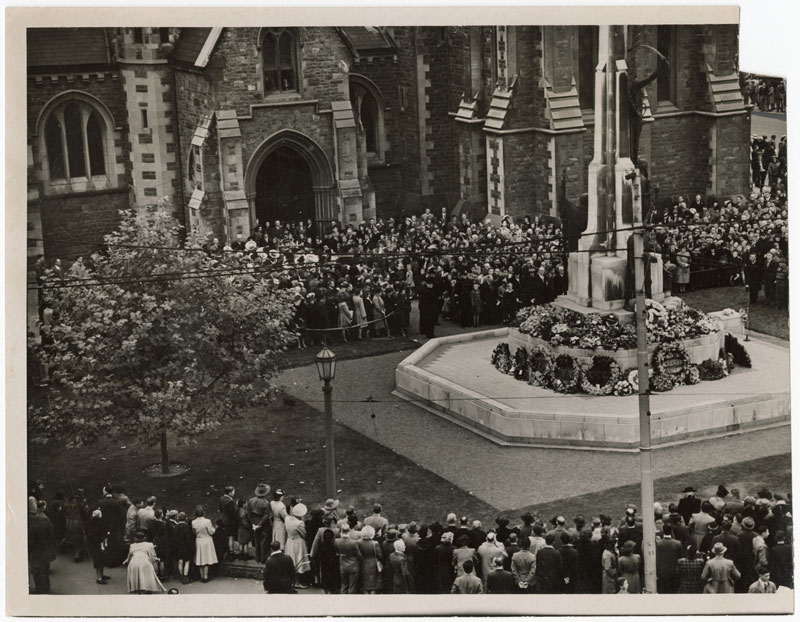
230 126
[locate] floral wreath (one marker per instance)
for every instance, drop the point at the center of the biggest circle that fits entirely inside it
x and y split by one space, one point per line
671 351
501 357
564 375
600 375
540 363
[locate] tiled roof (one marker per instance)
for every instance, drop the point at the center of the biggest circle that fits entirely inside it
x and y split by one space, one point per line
55 47
726 95
368 39
190 42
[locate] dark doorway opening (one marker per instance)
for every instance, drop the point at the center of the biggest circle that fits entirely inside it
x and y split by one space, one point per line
284 188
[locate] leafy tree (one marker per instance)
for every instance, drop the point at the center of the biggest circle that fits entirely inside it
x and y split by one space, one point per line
154 340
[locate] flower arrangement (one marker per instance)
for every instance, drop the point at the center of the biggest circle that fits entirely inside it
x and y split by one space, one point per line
692 375
738 351
564 375
569 328
678 323
521 364
661 383
600 375
540 362
712 370
501 358
671 359
623 387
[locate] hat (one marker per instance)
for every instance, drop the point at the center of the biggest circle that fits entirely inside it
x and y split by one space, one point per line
299 510
250 245
719 549
748 522
596 521
331 504
262 490
527 518
502 521
279 492
689 489
451 517
274 254
172 514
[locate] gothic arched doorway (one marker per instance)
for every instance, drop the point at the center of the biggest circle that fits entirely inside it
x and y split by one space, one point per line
289 177
284 187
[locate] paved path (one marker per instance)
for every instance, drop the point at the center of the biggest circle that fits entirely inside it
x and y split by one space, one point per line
67 577
768 123
505 477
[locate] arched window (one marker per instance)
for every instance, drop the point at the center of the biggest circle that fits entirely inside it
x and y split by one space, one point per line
368 109
76 142
279 57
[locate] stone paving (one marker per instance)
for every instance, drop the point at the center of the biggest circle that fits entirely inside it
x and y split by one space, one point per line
505 477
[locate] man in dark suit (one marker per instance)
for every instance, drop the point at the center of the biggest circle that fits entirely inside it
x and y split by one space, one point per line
41 548
730 542
549 574
477 535
114 516
349 560
569 562
680 532
230 516
688 505
500 581
668 552
278 571
780 562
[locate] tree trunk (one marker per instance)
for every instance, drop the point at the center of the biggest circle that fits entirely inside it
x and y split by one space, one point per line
164 453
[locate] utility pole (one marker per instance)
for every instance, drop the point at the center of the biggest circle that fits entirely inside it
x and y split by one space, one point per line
645 451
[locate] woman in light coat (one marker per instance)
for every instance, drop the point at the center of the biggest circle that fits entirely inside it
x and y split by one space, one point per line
683 274
379 309
359 312
345 315
205 554
142 577
371 559
278 517
296 547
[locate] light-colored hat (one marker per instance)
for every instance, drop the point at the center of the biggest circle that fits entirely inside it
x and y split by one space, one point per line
331 504
262 490
719 549
250 245
299 510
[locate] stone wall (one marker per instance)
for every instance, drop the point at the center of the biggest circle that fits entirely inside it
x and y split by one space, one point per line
679 159
74 225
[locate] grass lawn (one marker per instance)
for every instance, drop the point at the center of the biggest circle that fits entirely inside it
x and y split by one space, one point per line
280 444
283 445
763 319
295 357
773 472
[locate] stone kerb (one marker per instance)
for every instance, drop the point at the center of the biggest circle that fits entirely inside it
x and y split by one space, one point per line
699 349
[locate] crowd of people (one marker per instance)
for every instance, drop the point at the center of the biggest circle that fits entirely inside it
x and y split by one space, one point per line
767 94
721 544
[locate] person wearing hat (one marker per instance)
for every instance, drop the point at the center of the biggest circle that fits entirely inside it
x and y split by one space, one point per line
746 550
295 546
503 532
279 514
526 529
690 572
719 573
688 505
230 516
259 517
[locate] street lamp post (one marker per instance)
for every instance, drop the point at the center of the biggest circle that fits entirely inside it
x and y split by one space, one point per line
326 367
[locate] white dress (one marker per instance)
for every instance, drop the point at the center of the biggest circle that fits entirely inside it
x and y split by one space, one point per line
205 554
141 571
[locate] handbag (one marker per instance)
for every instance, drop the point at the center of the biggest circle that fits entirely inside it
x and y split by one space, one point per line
378 562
